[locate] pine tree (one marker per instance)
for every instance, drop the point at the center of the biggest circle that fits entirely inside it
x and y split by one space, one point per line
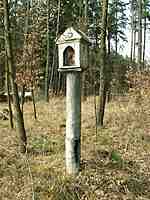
117 22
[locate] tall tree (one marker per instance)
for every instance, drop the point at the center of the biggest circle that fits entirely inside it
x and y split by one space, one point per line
117 22
19 117
139 33
103 85
48 53
146 16
2 51
26 31
132 29
94 18
135 28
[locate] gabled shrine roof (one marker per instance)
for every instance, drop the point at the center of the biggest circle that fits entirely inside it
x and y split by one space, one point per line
72 34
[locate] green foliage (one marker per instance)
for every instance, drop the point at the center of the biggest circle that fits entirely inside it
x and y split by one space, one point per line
117 20
41 144
146 9
115 156
32 52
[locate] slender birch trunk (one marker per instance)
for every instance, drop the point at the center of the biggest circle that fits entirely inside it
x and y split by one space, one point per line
19 117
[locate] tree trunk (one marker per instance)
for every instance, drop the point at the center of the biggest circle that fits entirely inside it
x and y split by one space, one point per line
19 117
109 42
84 88
86 15
101 107
102 89
22 97
48 54
9 105
131 53
8 93
139 34
144 40
109 72
25 41
53 67
116 36
134 45
27 17
34 106
84 28
132 31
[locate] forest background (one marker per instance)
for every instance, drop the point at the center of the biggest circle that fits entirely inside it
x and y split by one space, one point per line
115 149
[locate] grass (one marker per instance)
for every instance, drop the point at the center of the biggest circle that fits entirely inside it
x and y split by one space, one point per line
115 163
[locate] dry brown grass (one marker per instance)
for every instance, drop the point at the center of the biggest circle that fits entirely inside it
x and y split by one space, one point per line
115 163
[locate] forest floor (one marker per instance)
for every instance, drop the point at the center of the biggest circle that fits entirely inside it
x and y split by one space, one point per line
115 161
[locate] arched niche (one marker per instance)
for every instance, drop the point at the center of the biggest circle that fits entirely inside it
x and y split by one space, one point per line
69 56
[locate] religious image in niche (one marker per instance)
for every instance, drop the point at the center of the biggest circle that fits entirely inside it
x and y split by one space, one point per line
69 56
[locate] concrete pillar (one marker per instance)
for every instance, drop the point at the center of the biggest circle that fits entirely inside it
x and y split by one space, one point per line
73 122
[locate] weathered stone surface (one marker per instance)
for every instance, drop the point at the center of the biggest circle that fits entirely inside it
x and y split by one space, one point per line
73 50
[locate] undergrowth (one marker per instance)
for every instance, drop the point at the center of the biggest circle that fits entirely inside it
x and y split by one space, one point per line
115 162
